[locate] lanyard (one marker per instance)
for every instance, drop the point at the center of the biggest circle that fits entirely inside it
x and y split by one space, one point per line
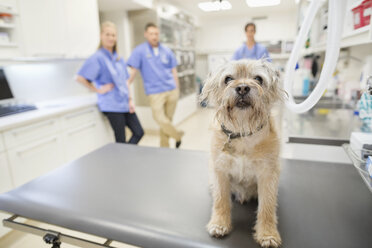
114 74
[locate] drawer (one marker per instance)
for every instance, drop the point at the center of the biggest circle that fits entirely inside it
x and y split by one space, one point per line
78 118
35 159
2 146
34 131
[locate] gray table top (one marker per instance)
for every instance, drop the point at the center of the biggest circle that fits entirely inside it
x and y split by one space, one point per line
154 197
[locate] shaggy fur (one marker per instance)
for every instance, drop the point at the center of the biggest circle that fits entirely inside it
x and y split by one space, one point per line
250 167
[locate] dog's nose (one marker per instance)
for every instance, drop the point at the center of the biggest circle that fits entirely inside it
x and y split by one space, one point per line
242 89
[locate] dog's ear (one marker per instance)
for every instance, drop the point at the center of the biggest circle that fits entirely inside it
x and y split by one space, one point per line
272 71
211 86
276 82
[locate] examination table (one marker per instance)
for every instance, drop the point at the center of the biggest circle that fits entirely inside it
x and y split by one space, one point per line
157 197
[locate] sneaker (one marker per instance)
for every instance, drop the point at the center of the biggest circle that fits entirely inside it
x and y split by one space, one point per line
178 144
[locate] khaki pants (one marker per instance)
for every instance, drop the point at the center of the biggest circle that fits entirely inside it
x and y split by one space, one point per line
163 106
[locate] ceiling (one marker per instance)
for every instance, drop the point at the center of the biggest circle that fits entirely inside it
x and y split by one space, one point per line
112 5
239 7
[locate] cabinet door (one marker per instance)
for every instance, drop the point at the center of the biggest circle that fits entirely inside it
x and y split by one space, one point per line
59 28
83 139
6 184
35 159
82 27
43 27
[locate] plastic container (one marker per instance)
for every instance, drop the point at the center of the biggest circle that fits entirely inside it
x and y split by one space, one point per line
362 14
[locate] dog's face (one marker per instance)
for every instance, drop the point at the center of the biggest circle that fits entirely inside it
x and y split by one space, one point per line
243 92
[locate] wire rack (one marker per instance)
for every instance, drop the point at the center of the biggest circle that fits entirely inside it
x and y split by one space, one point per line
359 163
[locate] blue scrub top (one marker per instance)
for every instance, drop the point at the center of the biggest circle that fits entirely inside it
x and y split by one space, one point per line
257 52
156 71
103 67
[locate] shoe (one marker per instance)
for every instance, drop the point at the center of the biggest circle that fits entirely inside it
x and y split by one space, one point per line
178 144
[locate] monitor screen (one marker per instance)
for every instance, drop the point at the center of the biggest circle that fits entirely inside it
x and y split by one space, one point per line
5 92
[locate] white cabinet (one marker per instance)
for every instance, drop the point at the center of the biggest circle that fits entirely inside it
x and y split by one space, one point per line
35 158
59 28
84 132
2 147
82 27
6 184
32 150
82 140
19 136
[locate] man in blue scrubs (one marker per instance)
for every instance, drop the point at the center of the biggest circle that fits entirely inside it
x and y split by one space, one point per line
251 49
157 65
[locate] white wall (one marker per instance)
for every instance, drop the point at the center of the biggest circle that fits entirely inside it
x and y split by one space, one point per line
224 34
50 80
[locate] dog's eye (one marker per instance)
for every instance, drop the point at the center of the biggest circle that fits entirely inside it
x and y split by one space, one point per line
228 79
259 79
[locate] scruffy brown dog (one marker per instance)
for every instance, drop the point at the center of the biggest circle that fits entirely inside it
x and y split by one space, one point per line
245 147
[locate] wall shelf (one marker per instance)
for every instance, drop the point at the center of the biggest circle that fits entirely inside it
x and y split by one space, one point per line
355 38
9 45
229 51
6 25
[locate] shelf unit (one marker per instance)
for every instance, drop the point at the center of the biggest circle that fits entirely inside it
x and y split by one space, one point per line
355 38
9 28
9 45
277 56
359 165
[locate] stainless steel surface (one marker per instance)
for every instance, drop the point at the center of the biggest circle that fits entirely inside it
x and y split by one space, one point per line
328 124
152 197
11 223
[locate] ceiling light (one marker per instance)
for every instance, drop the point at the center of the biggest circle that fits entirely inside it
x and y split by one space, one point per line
262 3
214 5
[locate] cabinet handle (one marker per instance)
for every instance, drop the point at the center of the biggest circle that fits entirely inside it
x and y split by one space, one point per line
42 124
37 144
70 116
81 128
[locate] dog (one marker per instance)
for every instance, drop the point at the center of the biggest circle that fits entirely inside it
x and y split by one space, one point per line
244 158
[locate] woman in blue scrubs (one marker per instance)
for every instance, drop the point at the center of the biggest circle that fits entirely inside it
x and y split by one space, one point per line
251 49
109 73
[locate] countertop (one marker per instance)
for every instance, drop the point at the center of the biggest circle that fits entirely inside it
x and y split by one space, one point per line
47 109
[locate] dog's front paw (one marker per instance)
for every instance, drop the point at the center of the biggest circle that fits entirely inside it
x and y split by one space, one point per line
218 229
268 239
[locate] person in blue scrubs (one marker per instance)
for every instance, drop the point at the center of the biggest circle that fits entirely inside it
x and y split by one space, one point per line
251 49
109 73
157 65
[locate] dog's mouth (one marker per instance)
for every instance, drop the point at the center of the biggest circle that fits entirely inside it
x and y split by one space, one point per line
243 103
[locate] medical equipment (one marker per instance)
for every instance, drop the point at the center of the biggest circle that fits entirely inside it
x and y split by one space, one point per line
152 197
335 26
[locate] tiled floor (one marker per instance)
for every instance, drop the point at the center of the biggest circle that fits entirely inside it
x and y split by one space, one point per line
197 137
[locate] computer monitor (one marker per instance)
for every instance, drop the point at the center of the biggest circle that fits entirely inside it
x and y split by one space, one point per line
5 92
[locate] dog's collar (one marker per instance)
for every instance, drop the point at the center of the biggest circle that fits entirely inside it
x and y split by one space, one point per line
231 135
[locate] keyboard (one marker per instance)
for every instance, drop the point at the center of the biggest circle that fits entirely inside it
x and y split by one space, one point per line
15 109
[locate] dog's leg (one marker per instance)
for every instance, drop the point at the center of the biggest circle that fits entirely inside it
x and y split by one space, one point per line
220 222
267 234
